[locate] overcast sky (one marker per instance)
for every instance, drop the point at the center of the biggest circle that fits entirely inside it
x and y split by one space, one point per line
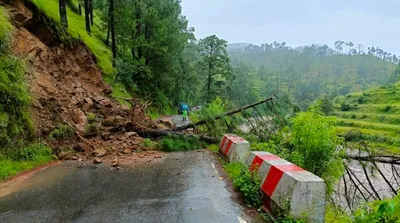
298 22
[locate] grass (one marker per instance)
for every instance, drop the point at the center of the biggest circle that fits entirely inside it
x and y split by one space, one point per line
77 29
15 161
180 143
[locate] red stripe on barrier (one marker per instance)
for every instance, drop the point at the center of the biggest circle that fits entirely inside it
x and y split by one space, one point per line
274 176
228 147
272 180
270 157
256 163
289 168
222 144
266 203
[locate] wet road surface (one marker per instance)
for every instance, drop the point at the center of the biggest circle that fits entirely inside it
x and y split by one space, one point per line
180 187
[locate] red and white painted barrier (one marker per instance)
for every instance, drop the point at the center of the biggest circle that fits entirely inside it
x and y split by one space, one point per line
235 148
289 187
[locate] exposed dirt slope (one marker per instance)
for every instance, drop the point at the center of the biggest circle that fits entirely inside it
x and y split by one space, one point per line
67 86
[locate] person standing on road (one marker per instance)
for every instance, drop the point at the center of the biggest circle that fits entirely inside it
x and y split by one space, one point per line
184 115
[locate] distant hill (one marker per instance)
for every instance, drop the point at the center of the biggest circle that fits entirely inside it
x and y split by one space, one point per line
375 112
307 72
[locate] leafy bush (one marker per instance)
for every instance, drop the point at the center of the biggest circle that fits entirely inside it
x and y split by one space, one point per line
62 132
361 100
386 211
387 108
92 129
214 148
180 143
147 143
92 118
345 107
246 182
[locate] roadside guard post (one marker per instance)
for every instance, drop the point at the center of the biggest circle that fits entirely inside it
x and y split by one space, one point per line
235 148
285 186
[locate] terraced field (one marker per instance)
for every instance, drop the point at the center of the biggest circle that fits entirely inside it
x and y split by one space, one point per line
375 113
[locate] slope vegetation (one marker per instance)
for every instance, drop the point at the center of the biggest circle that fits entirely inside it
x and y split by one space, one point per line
376 113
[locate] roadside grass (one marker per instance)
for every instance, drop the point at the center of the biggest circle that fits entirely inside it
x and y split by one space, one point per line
14 161
180 143
77 29
246 182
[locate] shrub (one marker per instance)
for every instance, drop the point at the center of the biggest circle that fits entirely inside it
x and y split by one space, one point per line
379 211
353 116
246 182
147 143
179 143
92 129
387 108
62 132
92 118
345 107
361 100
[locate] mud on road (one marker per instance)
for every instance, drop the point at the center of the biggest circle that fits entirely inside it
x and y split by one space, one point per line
179 187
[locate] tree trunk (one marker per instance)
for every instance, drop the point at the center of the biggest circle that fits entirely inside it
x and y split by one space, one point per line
63 13
87 19
112 23
80 8
209 82
91 11
108 27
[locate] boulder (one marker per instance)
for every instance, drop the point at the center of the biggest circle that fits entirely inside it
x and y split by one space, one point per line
88 101
112 121
97 160
99 152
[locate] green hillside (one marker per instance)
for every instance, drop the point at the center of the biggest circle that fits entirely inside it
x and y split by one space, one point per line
375 112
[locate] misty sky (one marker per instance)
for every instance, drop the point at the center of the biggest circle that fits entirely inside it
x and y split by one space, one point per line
298 22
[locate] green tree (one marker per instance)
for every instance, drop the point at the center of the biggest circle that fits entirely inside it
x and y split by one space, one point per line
216 65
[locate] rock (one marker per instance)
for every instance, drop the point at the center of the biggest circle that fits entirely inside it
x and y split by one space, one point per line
99 152
141 156
112 121
127 151
119 168
107 91
63 156
148 161
88 101
160 126
97 160
79 118
81 147
80 160
157 157
106 136
167 123
74 158
131 134
115 163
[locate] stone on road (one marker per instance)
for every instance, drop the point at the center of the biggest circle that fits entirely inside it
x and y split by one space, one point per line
180 187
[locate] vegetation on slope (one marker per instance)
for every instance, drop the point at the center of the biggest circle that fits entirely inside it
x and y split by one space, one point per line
375 113
15 122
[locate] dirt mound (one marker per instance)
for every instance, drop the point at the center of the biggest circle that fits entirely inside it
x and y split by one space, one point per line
68 89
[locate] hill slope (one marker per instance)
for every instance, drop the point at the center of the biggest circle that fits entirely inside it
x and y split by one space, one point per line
376 113
306 73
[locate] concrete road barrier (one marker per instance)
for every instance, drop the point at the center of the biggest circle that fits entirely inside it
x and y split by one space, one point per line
289 187
235 148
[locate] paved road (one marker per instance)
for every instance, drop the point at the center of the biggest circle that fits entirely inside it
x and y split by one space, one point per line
180 187
178 121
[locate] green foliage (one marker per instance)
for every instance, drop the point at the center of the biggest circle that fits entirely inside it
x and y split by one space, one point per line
62 132
147 143
214 148
91 129
386 211
180 143
14 95
246 182
335 214
13 161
